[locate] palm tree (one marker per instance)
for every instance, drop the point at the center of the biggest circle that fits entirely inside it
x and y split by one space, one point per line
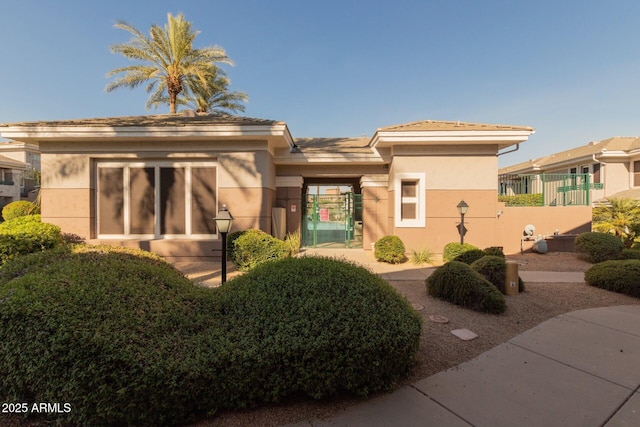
171 63
214 96
211 97
620 217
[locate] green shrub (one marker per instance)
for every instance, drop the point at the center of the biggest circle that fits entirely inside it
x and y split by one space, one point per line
293 240
630 254
27 234
522 199
421 256
253 247
316 326
389 249
19 208
597 247
468 257
494 251
116 334
492 268
457 283
621 276
454 249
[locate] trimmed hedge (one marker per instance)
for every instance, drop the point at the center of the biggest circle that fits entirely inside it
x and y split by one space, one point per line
19 208
630 254
27 234
250 248
127 340
459 284
470 256
494 251
622 276
112 332
316 326
389 249
454 249
492 268
597 247
522 199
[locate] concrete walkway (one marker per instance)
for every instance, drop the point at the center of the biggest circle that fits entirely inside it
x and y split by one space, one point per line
578 369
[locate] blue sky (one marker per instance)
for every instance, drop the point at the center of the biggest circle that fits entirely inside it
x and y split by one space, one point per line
570 69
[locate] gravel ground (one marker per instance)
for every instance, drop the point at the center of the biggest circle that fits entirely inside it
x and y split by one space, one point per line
440 350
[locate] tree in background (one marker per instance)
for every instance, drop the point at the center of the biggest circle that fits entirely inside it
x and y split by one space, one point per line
171 67
620 217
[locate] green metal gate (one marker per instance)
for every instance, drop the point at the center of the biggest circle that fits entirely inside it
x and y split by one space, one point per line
332 220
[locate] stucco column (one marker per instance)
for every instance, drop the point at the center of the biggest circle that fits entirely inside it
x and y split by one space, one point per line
375 196
289 196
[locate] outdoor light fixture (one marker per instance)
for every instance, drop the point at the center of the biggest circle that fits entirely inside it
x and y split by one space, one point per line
223 223
462 209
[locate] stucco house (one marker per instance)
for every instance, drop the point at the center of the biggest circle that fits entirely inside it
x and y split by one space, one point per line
28 154
156 182
10 174
611 167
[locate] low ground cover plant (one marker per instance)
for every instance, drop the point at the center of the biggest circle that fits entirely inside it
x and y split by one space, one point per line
422 256
250 248
455 249
19 208
389 249
622 276
459 284
596 247
127 340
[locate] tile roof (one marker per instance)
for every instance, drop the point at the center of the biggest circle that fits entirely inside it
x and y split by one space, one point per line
328 145
618 143
184 119
436 125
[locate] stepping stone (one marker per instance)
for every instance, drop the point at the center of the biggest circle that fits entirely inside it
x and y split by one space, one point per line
438 318
464 334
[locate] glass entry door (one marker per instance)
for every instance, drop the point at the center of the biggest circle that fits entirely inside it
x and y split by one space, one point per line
332 220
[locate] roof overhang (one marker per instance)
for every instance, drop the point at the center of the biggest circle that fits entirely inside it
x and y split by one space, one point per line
501 138
277 135
6 162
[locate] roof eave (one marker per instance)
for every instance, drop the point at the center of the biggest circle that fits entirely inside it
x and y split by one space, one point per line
502 138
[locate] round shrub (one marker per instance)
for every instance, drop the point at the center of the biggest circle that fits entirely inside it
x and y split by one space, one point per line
457 283
251 248
630 254
494 251
454 249
27 234
622 276
492 268
389 249
19 208
468 257
316 326
118 334
597 247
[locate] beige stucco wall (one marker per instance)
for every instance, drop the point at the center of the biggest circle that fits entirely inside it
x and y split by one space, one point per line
545 219
616 177
246 181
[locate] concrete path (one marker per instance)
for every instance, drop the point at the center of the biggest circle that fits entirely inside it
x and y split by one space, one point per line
578 369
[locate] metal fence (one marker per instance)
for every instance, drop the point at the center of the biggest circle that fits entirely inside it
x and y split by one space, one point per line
546 189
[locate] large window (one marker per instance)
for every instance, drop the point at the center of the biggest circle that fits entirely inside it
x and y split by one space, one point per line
409 199
636 173
156 199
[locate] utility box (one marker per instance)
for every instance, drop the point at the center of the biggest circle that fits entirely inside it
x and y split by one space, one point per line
511 279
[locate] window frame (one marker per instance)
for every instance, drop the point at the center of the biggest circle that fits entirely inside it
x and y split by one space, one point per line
419 178
156 165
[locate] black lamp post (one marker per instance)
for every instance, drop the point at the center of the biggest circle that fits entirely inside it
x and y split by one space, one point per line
223 223
462 209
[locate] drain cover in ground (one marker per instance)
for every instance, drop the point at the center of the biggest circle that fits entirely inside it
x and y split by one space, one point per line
464 334
438 318
417 307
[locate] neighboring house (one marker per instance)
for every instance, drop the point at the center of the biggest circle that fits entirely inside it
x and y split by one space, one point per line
157 182
610 168
29 178
10 174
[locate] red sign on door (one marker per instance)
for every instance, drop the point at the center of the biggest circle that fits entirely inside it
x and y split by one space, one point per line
324 214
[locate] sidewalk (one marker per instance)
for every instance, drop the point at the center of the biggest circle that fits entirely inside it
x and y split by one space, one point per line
578 369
